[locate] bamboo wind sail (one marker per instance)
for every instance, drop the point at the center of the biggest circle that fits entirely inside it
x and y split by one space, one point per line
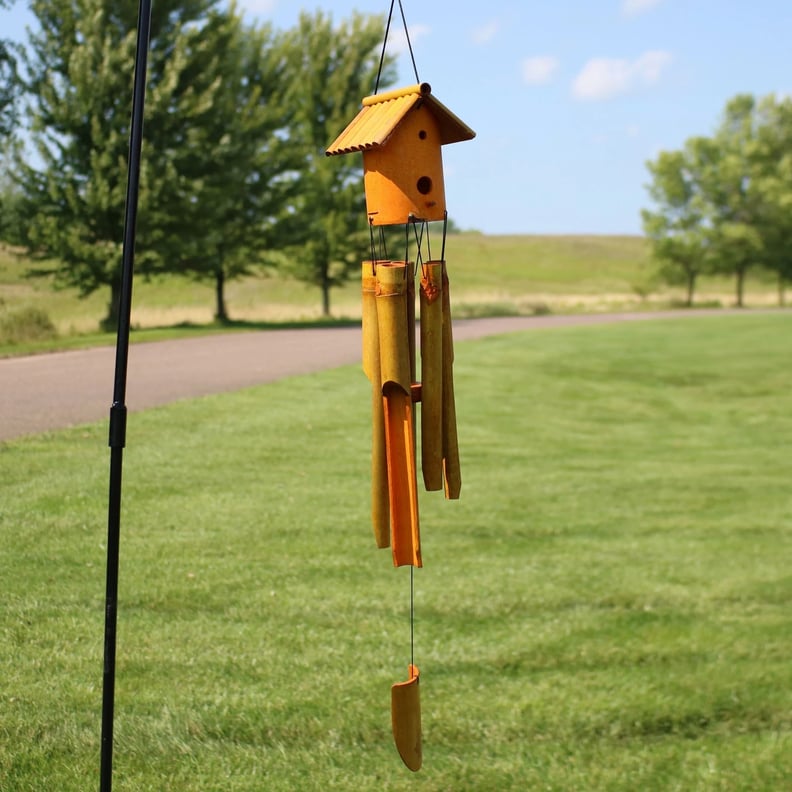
396 378
380 502
432 375
406 719
451 471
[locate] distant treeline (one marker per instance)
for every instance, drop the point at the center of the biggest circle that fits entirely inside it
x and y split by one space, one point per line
723 203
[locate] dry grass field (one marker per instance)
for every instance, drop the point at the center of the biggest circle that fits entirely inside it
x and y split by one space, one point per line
490 275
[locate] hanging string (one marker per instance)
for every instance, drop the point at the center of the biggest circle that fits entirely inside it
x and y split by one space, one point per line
383 244
409 45
373 248
378 245
412 616
385 44
428 244
419 243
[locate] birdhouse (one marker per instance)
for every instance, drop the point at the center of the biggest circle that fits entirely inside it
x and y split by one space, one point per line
400 134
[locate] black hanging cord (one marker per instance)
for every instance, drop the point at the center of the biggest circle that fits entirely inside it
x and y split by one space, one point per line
409 45
428 244
412 616
383 244
385 44
378 244
419 241
373 246
118 411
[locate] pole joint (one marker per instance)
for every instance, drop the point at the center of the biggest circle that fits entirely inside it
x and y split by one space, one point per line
118 424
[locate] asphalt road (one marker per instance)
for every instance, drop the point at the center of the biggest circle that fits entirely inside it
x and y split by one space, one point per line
53 391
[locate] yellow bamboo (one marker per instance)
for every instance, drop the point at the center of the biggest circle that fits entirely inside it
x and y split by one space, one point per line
451 471
396 93
380 508
415 387
432 375
396 379
406 719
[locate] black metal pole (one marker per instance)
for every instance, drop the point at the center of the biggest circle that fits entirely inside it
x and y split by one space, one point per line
118 409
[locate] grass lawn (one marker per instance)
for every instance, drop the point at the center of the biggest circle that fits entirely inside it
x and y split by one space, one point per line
607 607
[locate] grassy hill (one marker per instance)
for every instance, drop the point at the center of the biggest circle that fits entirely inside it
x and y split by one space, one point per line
489 275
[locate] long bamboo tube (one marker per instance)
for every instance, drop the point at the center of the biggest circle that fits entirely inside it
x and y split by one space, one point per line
432 374
396 378
451 471
380 508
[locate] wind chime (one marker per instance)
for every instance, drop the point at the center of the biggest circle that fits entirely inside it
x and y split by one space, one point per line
400 134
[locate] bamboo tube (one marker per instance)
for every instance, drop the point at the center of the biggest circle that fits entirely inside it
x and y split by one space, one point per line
406 719
411 321
451 471
380 508
432 375
415 387
396 379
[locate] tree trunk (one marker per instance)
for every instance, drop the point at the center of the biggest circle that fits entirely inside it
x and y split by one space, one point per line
691 287
221 314
110 321
325 297
740 286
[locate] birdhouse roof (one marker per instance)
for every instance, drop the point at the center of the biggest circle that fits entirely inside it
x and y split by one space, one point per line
382 113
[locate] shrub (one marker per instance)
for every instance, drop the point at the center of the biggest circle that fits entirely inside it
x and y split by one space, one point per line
21 325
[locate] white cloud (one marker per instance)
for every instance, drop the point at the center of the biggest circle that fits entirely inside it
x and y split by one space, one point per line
635 7
604 78
650 66
539 69
258 7
397 40
485 33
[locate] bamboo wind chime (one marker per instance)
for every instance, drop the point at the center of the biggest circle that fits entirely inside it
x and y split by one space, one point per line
400 134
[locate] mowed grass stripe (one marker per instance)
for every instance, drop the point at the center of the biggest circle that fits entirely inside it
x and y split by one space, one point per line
606 607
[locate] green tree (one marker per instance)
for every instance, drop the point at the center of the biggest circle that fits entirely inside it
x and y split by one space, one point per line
733 194
8 84
675 227
11 207
723 202
80 68
335 66
227 188
9 89
774 164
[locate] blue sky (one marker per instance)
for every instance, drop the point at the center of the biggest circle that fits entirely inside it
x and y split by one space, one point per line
568 98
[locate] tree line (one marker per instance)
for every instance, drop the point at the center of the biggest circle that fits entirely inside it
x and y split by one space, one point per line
723 203
233 173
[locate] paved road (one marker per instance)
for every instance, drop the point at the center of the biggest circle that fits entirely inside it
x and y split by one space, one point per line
53 391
